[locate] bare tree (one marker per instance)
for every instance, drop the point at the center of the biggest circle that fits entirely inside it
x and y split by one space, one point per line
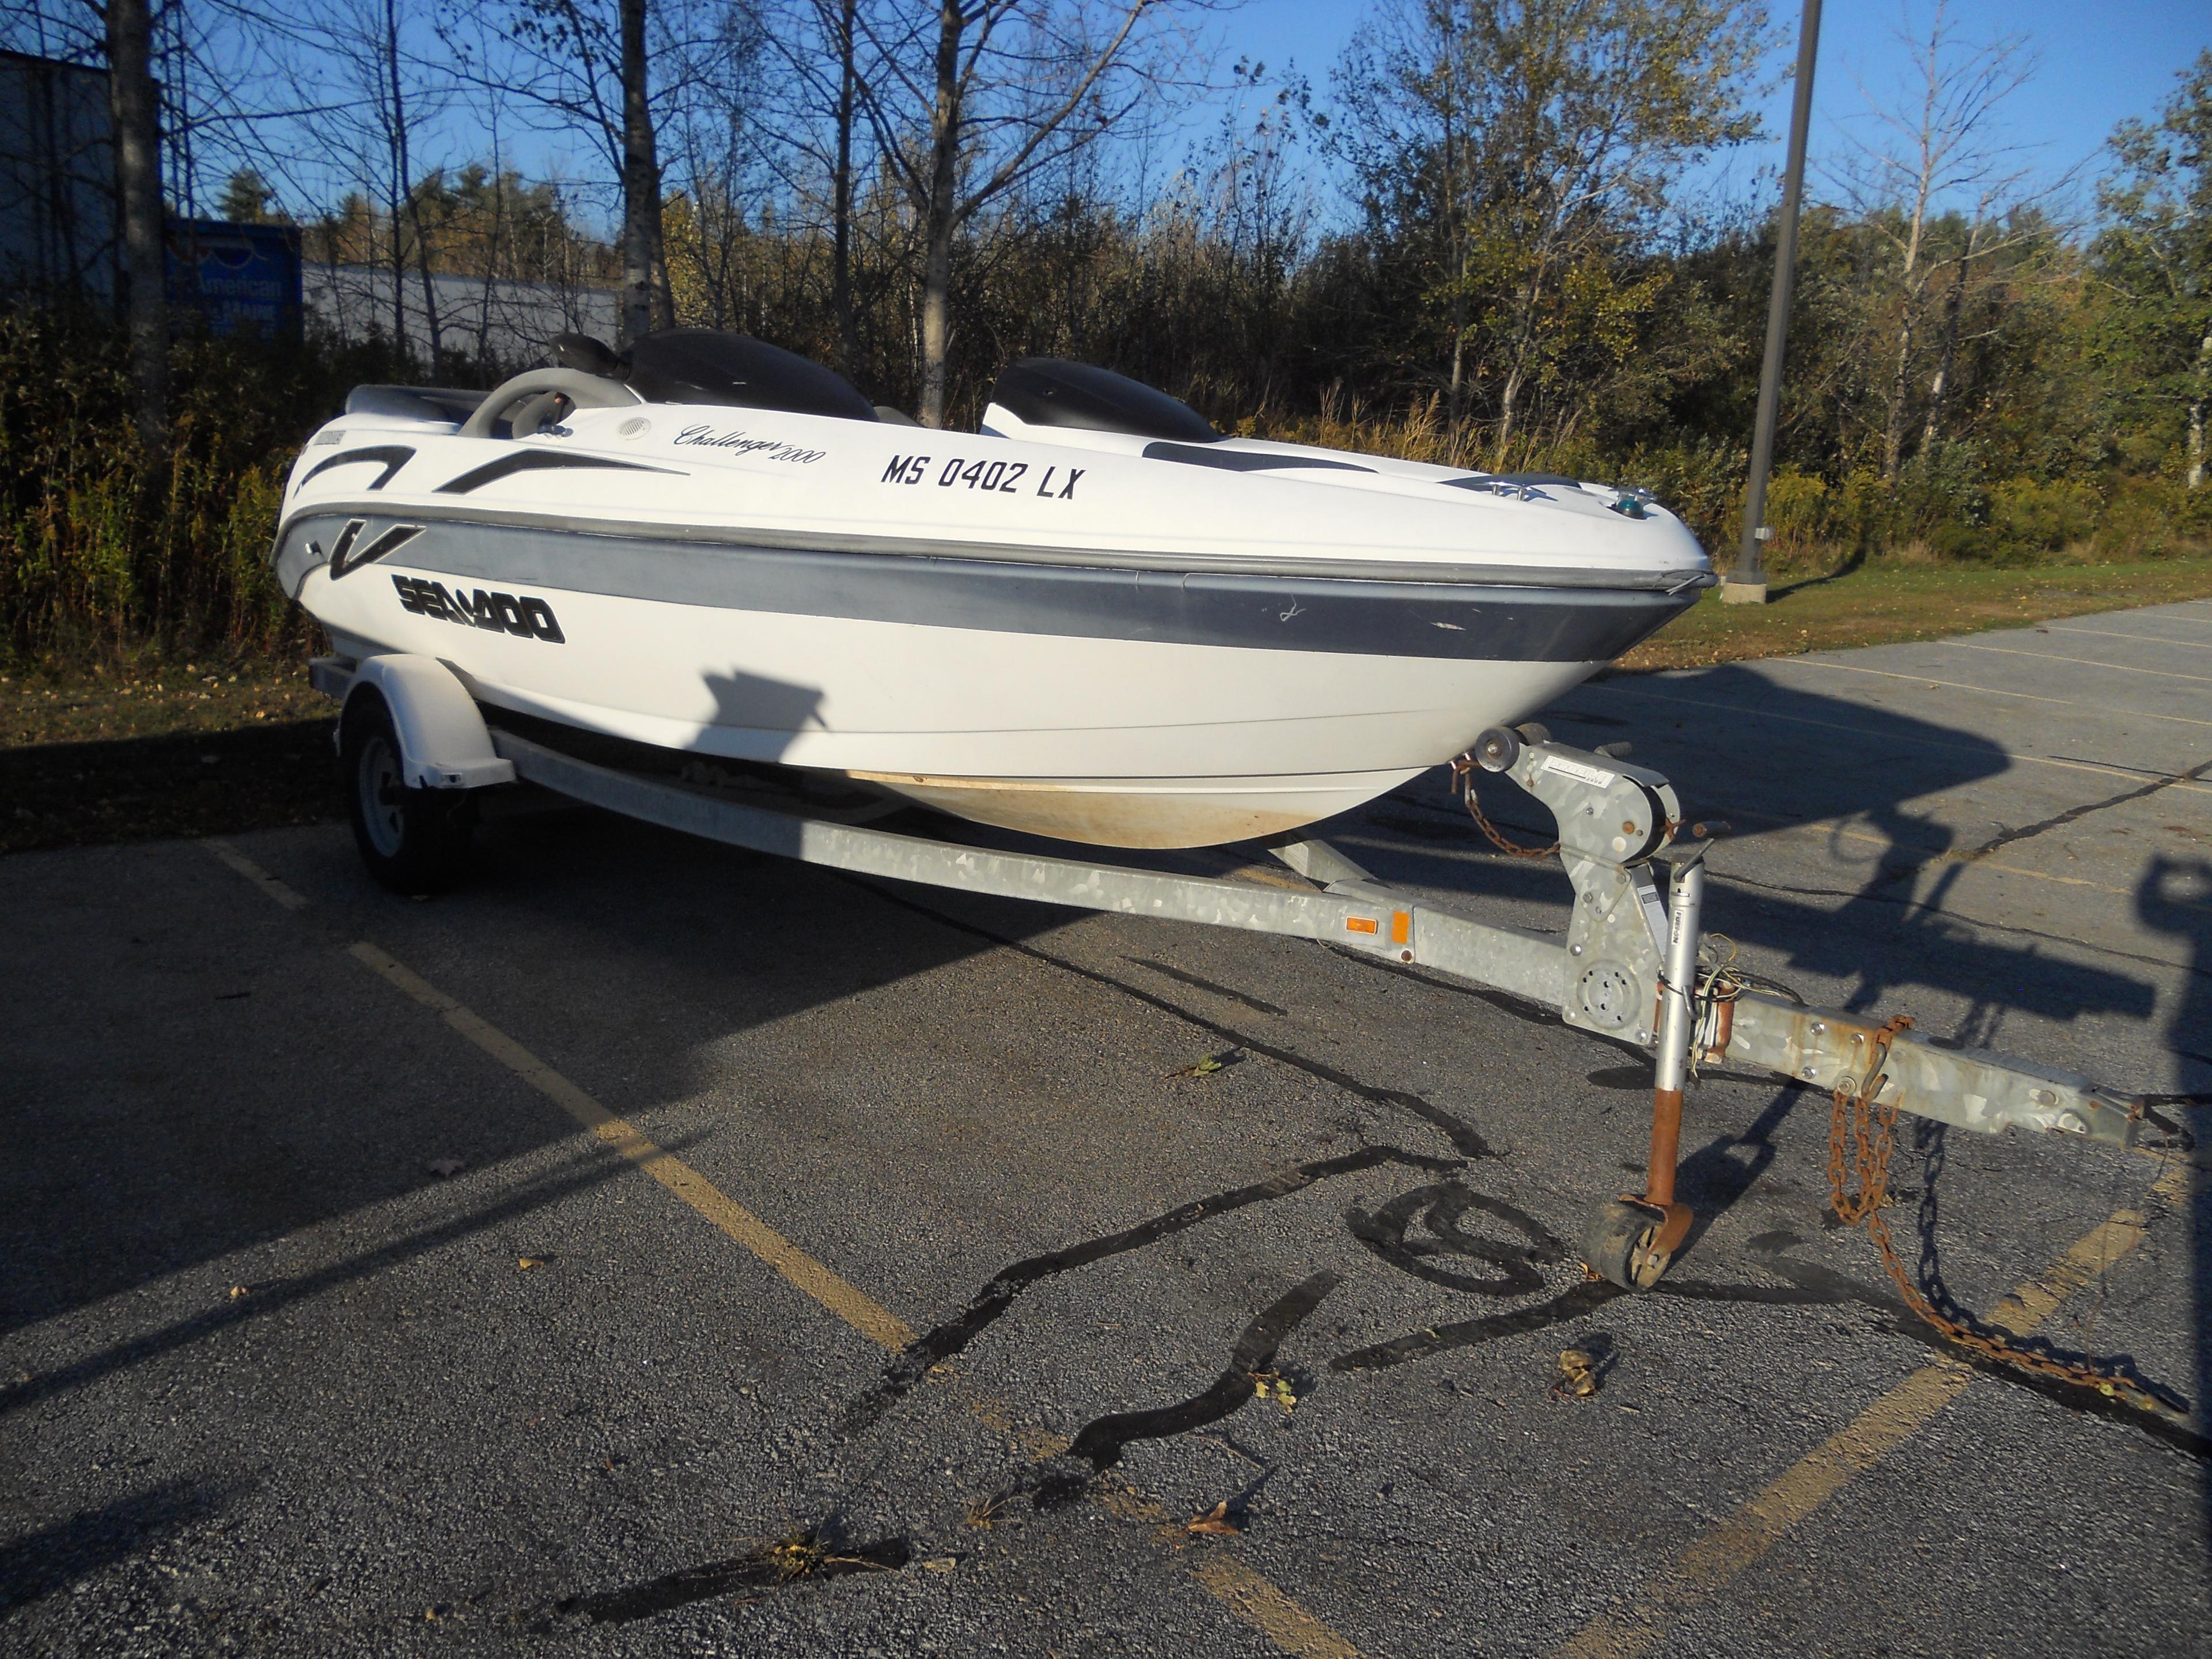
971 98
1938 144
641 177
616 69
132 106
816 46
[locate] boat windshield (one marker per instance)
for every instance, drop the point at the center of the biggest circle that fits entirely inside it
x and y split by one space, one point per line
708 366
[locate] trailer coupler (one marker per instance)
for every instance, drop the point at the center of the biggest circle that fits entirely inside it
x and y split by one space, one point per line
1632 971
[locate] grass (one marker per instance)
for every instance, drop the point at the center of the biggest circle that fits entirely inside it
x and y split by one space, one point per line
1886 604
157 749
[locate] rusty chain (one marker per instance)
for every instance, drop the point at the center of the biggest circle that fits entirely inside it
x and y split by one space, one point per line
1464 770
1870 1129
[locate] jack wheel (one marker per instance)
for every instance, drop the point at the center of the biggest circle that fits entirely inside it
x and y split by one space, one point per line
1623 1242
413 841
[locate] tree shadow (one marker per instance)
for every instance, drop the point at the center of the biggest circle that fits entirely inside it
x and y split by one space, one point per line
41 1563
2174 898
1855 561
1768 756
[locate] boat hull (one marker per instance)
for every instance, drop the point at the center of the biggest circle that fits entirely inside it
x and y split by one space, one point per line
1111 707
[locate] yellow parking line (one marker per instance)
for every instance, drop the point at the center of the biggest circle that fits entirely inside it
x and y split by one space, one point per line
1245 1593
1257 1601
840 1296
254 873
2085 662
1986 690
1619 688
1708 1565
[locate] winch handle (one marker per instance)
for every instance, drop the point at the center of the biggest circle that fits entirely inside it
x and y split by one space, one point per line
582 389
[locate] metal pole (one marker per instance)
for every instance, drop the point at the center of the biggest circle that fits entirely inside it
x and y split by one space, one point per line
1677 1030
1747 583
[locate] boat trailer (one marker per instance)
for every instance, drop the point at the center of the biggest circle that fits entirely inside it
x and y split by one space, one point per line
1627 969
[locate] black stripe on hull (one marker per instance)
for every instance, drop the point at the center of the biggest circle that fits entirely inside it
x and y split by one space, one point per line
539 461
1496 624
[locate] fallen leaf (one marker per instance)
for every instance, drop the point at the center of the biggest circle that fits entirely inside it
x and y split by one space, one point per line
237 1291
524 1263
444 1167
983 1513
1214 1523
1577 1377
940 1563
1275 1388
1211 1064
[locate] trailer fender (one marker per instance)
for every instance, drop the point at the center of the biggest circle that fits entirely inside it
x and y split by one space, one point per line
443 741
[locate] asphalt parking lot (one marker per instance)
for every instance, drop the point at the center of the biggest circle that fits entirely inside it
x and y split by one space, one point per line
652 1247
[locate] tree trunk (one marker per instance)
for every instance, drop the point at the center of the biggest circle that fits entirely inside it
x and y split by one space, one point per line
395 198
940 214
1506 400
1945 359
1455 250
841 200
138 197
664 286
2196 413
1892 433
641 180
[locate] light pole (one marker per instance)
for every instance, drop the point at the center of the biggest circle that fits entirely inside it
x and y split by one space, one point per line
1747 583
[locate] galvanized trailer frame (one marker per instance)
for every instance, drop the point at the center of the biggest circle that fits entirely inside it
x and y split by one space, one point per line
1627 966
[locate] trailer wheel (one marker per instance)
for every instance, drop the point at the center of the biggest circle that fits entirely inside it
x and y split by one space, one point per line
413 841
1619 1244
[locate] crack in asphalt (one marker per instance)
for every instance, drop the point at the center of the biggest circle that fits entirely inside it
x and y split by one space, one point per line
1462 1135
934 1347
770 1568
1102 1439
1810 1284
2073 814
1872 894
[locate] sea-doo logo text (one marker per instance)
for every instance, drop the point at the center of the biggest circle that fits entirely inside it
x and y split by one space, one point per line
737 442
503 613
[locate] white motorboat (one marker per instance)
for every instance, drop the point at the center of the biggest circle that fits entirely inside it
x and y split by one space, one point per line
1097 619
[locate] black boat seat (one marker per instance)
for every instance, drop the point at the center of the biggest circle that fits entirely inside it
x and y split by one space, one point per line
1053 392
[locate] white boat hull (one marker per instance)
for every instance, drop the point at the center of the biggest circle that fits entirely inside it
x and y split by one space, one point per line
1080 634
1115 741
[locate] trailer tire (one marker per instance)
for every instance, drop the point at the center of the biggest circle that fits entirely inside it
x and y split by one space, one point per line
413 841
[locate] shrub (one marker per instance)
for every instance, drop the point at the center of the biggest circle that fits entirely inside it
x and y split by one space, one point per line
103 553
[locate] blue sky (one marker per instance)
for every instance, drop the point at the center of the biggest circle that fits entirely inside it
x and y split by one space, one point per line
2100 61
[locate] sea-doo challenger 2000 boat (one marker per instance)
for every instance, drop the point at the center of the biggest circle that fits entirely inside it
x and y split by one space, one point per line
1097 618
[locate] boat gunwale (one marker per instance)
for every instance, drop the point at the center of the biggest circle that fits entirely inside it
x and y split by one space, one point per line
1390 571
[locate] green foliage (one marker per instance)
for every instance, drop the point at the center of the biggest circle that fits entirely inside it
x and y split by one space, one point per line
2074 375
2154 261
102 553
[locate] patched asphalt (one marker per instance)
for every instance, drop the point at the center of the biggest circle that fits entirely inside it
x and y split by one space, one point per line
270 1382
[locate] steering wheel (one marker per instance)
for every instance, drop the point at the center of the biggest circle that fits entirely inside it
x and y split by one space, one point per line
543 390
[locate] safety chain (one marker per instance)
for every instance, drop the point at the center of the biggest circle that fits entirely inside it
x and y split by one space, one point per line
1463 771
1871 1129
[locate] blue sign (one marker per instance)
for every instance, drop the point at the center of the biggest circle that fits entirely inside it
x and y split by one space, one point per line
241 278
